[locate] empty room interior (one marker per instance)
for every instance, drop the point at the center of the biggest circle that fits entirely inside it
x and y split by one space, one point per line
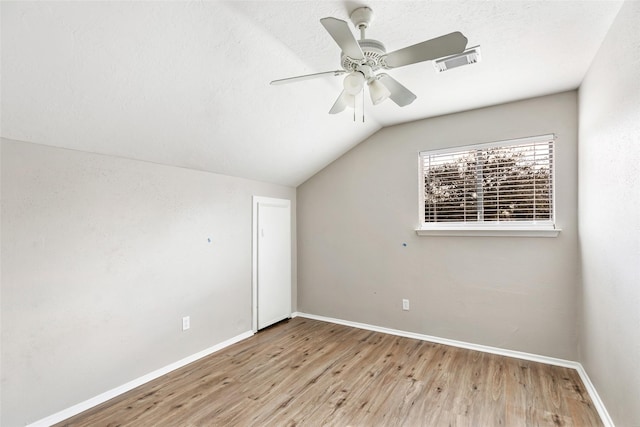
398 213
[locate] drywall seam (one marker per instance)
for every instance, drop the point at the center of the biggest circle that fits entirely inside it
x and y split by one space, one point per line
110 394
602 411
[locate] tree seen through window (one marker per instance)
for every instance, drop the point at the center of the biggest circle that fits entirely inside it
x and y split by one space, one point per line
499 184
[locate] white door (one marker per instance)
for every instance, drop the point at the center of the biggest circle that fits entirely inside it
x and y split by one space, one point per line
272 261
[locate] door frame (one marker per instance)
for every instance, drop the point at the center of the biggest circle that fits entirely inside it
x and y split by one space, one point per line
254 256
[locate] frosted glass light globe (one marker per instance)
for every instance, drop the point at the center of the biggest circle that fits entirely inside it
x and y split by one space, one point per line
353 83
378 92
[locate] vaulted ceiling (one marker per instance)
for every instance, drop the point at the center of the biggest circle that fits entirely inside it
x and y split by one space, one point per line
187 83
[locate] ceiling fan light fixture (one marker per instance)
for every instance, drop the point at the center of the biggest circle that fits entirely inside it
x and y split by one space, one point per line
378 92
353 83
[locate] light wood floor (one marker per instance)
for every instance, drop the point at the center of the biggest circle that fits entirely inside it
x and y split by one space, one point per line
307 373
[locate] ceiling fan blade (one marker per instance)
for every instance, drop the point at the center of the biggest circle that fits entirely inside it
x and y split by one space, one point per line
339 105
399 94
439 47
307 77
339 30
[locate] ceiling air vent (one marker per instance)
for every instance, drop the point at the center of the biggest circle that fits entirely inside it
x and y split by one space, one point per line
469 56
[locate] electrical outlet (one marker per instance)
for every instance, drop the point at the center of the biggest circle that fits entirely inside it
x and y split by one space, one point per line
405 304
186 323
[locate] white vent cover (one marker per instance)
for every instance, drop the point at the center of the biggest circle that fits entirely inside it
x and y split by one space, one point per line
469 56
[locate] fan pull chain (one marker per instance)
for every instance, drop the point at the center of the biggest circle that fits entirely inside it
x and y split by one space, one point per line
363 105
354 109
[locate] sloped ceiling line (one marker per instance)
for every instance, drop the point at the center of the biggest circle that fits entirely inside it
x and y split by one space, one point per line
186 83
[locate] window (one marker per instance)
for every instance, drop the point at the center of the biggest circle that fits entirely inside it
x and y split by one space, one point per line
506 185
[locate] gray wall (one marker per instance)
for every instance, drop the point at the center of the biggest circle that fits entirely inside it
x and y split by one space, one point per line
610 218
510 292
101 258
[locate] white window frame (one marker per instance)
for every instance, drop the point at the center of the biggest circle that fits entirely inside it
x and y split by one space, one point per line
488 228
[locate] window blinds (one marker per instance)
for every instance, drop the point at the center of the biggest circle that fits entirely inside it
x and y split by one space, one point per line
504 182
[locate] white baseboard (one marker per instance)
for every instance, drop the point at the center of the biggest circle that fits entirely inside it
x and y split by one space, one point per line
597 402
110 394
602 411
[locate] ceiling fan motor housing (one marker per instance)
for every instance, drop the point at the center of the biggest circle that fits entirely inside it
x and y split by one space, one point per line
373 51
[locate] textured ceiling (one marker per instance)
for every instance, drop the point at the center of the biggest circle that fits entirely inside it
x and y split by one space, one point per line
186 83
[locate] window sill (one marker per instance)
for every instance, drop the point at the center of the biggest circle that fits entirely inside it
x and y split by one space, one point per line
490 231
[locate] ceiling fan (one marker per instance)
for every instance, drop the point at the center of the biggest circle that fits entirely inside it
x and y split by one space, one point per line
362 59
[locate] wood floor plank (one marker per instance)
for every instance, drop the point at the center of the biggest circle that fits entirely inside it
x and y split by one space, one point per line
305 372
